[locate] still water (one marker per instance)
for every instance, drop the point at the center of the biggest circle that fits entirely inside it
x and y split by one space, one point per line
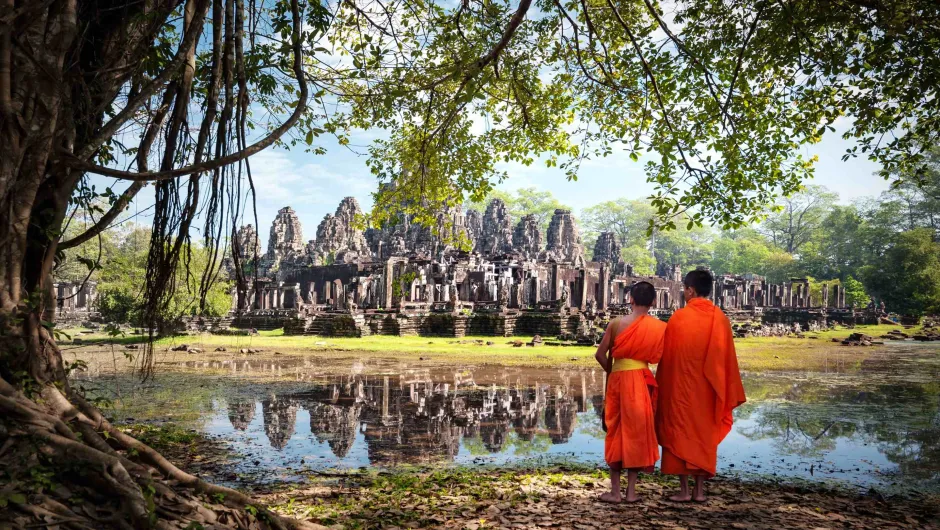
876 424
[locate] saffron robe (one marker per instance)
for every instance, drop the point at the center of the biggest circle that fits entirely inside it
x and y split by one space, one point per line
699 387
630 404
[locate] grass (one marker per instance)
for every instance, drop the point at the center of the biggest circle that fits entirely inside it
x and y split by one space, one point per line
813 351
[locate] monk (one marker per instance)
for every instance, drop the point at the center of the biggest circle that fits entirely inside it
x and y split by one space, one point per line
699 386
634 341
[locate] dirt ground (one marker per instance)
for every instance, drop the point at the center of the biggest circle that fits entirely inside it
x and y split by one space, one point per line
567 498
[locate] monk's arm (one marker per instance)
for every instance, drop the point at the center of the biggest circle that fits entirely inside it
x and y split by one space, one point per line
604 347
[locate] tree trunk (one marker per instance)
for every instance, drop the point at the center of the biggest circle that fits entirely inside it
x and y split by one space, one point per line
49 106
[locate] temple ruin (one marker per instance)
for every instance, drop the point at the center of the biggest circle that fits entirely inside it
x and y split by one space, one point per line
406 278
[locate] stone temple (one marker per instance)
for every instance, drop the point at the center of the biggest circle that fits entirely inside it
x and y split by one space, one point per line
405 278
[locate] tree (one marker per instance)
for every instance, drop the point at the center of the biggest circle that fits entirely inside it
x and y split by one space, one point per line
837 248
918 195
855 295
83 261
723 94
640 257
741 252
628 219
799 217
907 279
688 248
122 276
171 90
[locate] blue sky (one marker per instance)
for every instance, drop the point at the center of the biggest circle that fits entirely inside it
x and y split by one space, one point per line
313 185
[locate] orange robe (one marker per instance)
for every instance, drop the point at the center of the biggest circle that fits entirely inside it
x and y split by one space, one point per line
699 386
630 405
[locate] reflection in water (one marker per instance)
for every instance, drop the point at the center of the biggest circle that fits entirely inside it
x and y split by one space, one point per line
877 426
241 412
417 419
280 418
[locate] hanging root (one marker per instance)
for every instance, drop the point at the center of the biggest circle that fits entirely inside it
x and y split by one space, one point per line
105 487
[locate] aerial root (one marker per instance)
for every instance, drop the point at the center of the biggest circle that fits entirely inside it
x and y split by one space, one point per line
145 492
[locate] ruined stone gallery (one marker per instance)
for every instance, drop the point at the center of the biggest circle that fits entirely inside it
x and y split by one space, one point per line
405 278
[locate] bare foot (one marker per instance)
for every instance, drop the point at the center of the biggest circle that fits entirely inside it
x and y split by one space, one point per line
611 497
681 498
699 498
632 498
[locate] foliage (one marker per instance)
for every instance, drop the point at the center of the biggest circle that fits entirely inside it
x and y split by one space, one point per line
718 96
855 295
689 248
628 219
75 264
798 217
642 259
121 280
908 277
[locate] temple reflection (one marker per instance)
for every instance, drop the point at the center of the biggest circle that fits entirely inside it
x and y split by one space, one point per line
419 417
241 412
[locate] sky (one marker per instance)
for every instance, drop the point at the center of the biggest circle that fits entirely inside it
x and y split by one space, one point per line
313 185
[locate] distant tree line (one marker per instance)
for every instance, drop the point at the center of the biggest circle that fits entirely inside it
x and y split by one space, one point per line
117 262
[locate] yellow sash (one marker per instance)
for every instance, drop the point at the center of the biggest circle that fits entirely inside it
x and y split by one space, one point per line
622 365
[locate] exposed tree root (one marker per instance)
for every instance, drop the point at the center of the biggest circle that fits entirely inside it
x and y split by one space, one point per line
63 464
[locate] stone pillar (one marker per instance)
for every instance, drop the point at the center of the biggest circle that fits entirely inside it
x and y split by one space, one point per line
584 289
825 295
69 299
604 288
388 274
556 289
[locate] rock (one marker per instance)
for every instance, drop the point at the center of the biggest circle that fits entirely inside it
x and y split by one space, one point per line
490 343
220 348
132 347
249 247
181 347
77 340
193 350
607 249
517 344
278 353
496 237
527 239
339 233
243 350
286 238
563 239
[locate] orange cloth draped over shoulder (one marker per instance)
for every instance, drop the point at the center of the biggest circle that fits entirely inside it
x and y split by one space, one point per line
630 404
699 386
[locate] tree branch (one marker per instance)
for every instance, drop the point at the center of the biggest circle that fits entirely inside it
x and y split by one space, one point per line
209 165
108 129
105 221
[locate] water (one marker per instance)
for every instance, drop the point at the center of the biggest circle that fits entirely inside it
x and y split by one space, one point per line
871 425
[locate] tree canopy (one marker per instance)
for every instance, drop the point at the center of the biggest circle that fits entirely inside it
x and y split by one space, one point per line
720 95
